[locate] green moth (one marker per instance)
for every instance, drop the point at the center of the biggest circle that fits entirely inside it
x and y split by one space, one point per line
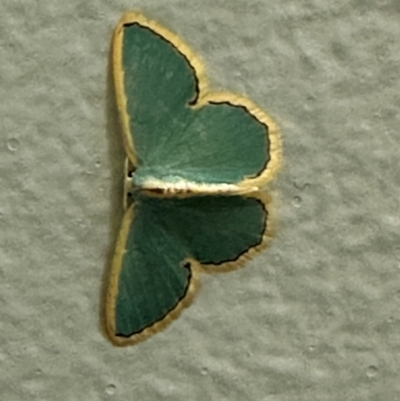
197 161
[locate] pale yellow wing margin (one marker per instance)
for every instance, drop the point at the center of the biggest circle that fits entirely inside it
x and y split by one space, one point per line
109 323
250 184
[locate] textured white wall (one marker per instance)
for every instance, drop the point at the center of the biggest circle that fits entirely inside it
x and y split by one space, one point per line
315 317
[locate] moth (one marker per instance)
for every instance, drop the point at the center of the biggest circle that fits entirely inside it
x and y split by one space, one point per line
197 161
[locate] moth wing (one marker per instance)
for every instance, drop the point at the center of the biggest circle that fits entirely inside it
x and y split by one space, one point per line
177 131
219 232
148 287
163 247
154 82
